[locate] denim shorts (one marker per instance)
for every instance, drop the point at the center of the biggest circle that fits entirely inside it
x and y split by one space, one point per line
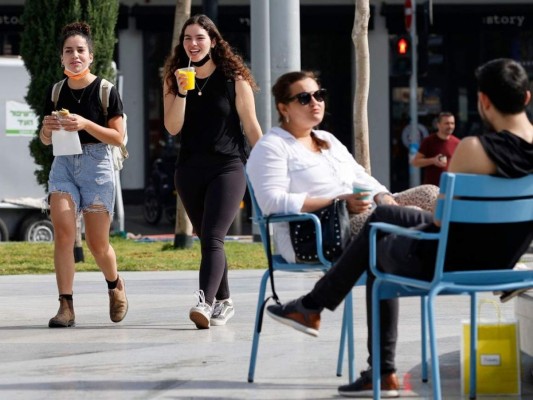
89 178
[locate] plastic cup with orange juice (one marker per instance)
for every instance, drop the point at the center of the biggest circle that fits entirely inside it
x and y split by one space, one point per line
191 74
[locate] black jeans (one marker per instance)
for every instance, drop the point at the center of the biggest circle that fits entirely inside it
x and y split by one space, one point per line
338 281
211 196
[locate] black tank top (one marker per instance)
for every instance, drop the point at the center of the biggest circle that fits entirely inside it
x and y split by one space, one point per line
211 132
495 245
512 155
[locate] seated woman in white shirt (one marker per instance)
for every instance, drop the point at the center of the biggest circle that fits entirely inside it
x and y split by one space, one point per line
297 168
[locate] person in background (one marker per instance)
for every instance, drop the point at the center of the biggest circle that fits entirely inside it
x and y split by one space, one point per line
506 151
83 183
209 174
437 149
298 168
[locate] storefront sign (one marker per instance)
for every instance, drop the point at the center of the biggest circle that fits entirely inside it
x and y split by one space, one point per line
10 20
465 17
512 20
20 119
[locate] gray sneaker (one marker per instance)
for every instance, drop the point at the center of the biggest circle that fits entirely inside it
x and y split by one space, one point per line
200 314
222 312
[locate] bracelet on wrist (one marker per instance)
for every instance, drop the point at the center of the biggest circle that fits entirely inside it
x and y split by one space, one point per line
46 137
181 95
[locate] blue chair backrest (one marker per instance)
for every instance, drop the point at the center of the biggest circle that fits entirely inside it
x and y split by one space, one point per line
257 217
480 199
258 214
485 199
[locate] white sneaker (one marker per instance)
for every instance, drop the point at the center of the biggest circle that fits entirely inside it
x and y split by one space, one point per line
222 312
201 313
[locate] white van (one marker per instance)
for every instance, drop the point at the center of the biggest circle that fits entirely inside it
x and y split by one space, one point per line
22 207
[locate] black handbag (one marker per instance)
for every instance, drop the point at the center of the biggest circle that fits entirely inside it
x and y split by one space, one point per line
335 226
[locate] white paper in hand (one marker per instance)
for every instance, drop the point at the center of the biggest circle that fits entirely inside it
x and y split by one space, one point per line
66 143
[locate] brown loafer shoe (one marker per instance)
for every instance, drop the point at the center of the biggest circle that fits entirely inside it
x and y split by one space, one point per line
362 387
118 302
295 315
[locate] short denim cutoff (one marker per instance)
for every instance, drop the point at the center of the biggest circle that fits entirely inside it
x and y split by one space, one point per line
88 177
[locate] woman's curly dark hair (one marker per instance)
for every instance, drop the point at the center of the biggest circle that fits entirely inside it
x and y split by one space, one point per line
73 29
231 64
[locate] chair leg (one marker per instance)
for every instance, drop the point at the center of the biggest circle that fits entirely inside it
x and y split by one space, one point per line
437 395
347 334
424 338
473 345
342 342
376 351
257 329
351 339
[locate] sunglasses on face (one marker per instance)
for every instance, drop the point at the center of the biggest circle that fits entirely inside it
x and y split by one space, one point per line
304 98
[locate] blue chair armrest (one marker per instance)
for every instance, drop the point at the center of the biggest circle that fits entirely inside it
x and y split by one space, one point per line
402 231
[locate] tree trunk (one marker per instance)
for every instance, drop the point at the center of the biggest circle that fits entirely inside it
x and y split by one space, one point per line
183 229
362 83
182 14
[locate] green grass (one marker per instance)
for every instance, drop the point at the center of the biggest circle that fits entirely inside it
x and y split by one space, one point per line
37 258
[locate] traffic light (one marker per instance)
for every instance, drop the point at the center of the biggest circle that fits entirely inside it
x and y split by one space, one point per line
400 60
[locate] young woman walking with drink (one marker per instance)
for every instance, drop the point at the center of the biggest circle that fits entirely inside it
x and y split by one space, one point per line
209 174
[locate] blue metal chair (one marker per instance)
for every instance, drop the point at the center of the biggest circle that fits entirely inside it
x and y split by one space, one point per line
465 198
279 264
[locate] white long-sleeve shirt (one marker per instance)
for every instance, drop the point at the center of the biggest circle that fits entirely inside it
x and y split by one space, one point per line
283 173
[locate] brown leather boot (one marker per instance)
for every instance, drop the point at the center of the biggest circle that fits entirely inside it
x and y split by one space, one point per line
118 303
65 315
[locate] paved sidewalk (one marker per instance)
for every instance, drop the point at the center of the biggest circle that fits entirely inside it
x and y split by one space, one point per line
156 353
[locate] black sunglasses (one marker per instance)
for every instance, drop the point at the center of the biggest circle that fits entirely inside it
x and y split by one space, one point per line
304 98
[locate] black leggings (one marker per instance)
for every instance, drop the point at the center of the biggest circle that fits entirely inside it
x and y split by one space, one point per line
211 196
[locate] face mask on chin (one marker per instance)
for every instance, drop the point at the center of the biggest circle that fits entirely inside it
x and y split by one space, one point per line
76 75
202 61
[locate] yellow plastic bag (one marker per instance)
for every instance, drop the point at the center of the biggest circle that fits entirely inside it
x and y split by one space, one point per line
498 356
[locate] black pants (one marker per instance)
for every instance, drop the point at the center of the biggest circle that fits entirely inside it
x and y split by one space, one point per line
333 287
211 196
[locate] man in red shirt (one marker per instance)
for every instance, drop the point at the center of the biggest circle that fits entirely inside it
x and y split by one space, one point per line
436 150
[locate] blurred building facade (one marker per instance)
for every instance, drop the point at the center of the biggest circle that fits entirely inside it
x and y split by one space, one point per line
461 36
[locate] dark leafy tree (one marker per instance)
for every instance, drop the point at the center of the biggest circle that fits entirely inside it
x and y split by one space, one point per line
40 50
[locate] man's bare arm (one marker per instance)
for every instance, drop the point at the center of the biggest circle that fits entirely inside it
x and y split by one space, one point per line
470 157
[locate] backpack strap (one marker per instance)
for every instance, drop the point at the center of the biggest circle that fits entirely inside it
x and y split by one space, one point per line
104 93
56 90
